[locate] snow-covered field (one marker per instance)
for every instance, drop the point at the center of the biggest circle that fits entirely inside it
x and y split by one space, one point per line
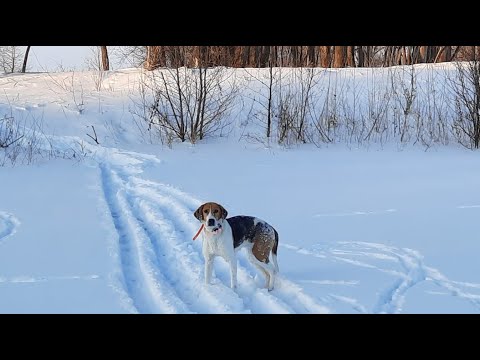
362 230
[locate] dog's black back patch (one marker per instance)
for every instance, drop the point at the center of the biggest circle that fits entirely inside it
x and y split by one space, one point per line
243 229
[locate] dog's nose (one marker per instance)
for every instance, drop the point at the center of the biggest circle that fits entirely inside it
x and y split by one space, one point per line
211 222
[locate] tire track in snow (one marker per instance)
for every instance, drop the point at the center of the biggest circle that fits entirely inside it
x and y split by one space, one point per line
392 300
147 288
181 197
414 271
154 224
254 299
8 225
170 224
179 264
287 297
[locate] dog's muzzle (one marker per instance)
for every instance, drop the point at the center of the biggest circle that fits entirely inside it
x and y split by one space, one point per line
211 222
217 229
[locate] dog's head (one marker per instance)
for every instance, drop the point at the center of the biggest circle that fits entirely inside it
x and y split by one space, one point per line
211 215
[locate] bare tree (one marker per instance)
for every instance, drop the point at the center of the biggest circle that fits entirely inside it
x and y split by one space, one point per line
25 59
132 55
10 58
105 61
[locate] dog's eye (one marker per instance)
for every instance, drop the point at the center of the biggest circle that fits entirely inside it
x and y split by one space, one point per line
205 211
215 211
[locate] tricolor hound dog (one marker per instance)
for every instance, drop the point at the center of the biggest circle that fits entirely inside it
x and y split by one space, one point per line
224 237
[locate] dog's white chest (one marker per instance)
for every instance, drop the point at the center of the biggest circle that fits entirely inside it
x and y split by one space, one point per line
218 245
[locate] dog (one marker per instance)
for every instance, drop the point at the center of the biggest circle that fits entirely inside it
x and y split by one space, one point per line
224 237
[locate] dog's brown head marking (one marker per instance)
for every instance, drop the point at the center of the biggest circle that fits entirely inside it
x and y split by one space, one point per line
217 210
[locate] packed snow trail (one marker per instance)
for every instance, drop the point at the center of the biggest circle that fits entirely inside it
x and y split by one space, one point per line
162 268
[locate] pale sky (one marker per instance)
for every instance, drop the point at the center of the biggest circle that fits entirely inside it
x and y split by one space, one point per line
51 58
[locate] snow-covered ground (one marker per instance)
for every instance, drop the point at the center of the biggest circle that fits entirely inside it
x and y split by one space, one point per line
369 230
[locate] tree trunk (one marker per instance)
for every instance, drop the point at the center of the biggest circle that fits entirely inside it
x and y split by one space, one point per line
311 56
265 56
448 53
294 56
404 56
232 51
361 56
387 55
25 59
339 56
351 56
152 61
325 56
441 54
423 54
368 56
432 53
105 62
273 62
245 56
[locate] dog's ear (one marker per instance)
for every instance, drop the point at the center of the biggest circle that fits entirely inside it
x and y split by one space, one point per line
224 212
199 213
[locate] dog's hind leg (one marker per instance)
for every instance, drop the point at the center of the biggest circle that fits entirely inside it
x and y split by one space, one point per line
274 252
269 274
270 277
265 269
261 249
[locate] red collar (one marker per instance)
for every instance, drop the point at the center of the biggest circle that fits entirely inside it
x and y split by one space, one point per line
198 233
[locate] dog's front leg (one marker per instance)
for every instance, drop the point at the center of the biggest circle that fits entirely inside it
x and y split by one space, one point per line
208 269
233 273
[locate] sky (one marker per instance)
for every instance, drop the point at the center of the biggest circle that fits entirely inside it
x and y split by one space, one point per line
53 58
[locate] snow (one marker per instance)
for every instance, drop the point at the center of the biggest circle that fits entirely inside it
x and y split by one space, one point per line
377 229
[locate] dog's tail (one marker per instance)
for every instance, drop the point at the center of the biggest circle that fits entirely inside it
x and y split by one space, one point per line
274 252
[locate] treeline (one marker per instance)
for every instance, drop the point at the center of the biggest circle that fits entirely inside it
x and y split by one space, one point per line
298 56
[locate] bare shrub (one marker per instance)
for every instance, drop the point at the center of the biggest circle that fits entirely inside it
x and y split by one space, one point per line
406 105
283 104
9 133
186 104
466 89
376 120
23 141
404 94
94 64
18 143
432 110
261 110
326 112
66 83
